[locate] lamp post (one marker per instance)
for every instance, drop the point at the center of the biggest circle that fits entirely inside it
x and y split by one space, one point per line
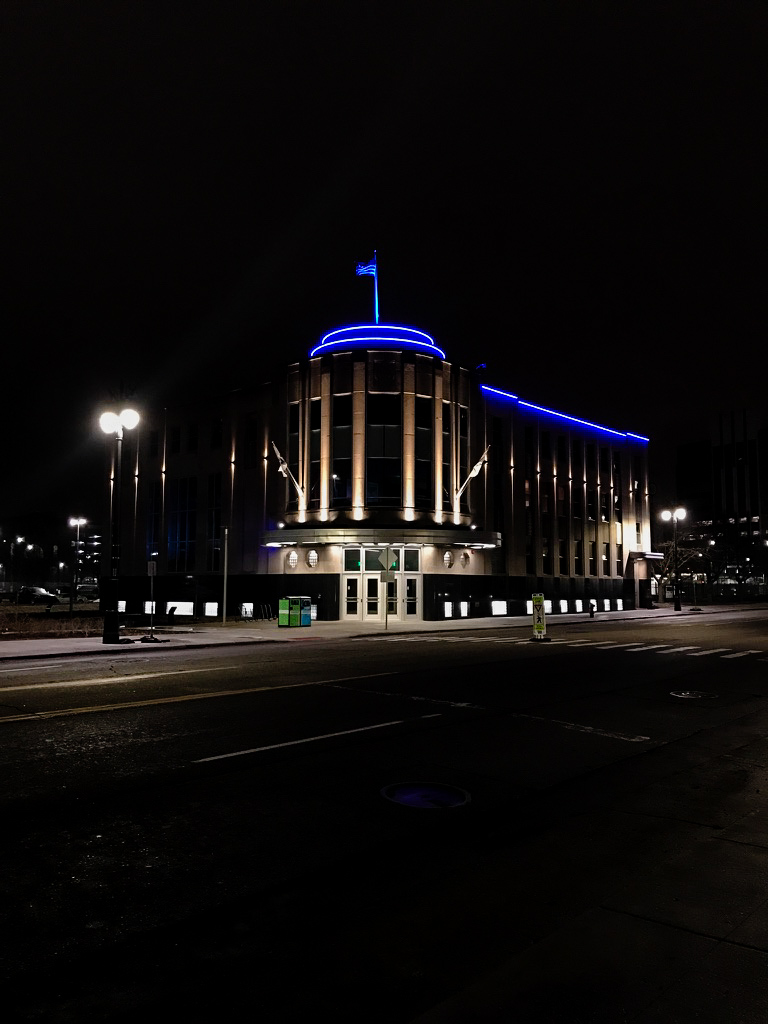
77 522
112 423
676 515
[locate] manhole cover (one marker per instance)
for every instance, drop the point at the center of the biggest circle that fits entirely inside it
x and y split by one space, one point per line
691 694
425 795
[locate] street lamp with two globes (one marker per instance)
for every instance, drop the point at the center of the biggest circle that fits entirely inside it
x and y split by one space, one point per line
675 515
115 423
77 522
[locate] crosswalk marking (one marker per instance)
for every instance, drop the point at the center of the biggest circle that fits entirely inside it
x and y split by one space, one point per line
676 650
611 645
630 647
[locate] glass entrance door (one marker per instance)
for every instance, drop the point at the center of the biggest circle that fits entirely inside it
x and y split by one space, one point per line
371 596
411 604
363 592
351 609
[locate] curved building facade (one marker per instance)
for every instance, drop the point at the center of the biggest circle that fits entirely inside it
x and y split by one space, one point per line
383 481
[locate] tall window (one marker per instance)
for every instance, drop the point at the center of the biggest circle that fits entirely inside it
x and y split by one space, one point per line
314 453
213 523
154 523
423 444
546 545
384 450
578 558
182 524
463 456
193 432
447 496
341 451
294 417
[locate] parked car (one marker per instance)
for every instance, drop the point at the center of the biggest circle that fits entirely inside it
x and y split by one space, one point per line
87 592
36 595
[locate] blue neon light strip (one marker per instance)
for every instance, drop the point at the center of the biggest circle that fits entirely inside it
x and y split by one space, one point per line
365 335
562 415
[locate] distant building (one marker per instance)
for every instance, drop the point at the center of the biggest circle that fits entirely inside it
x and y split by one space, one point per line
723 481
374 455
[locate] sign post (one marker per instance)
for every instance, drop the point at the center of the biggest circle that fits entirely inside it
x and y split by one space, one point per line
539 618
386 559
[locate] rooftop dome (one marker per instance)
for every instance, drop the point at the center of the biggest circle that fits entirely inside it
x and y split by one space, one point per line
376 336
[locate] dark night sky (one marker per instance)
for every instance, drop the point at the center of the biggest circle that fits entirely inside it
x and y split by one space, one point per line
571 193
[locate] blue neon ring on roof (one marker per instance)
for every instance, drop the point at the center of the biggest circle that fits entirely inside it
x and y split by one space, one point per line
377 336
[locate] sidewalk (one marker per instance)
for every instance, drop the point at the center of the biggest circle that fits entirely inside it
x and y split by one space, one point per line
215 634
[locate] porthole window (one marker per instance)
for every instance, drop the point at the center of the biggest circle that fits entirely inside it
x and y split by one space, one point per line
312 558
292 560
464 559
447 559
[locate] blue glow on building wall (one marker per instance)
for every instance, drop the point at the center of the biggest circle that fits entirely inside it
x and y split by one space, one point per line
542 411
377 336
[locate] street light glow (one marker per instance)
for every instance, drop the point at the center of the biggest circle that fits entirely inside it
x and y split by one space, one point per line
111 423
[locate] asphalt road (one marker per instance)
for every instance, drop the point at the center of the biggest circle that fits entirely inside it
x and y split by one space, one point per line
206 832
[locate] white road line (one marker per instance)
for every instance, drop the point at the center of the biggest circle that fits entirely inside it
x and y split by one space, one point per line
610 646
742 654
574 726
676 650
650 647
714 650
582 643
105 680
294 743
181 698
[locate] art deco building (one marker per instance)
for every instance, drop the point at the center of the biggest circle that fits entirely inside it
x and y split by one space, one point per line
379 479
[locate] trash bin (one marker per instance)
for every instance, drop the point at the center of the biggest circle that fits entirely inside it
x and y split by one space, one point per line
294 611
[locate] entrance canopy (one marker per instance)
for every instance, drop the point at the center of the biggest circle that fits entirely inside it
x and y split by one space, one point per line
439 538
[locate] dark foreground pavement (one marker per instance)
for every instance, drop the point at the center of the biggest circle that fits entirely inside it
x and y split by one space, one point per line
624 895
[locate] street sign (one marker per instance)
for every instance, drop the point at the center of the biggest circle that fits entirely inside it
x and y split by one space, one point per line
387 577
387 558
539 617
151 568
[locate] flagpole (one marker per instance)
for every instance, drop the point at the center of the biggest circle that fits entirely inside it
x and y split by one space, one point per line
375 287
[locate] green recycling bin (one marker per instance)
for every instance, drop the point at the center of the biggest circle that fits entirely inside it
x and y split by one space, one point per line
294 611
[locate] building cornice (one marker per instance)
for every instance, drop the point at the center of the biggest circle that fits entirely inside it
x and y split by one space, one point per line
449 537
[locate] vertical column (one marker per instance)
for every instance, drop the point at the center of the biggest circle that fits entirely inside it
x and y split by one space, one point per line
409 439
325 442
437 445
358 439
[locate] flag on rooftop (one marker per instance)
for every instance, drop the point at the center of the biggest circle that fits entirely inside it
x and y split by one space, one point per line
366 268
370 268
